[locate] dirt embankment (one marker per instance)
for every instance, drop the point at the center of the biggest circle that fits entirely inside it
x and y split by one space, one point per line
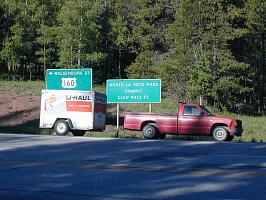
18 109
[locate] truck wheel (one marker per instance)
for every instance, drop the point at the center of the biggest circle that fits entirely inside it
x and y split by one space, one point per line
78 132
61 127
220 133
150 132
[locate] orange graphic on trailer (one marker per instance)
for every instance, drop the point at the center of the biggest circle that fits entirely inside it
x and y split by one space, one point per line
79 106
49 104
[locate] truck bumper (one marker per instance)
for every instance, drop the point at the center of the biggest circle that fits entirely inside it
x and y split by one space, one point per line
236 132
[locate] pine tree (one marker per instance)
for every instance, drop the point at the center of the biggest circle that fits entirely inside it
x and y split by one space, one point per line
12 46
147 36
18 48
78 33
46 37
119 32
255 49
201 37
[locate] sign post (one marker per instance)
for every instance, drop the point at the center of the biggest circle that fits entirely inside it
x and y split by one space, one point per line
117 119
150 107
69 79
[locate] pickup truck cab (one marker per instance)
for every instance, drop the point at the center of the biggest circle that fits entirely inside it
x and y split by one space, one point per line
192 119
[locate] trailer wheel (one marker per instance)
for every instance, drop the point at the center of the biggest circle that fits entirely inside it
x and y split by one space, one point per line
150 132
78 132
61 127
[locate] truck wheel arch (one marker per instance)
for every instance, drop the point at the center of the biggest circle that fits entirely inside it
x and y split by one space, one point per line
216 125
153 123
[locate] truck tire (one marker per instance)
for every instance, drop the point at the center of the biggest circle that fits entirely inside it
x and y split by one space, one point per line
150 132
61 127
78 132
220 133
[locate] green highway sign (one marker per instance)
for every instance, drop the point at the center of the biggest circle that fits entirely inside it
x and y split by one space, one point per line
69 79
133 90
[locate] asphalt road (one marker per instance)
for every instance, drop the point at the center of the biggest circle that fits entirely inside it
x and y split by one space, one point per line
53 168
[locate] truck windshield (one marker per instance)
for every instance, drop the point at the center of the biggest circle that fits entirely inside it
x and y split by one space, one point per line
207 111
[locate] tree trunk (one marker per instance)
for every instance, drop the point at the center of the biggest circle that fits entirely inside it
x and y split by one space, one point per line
119 63
44 62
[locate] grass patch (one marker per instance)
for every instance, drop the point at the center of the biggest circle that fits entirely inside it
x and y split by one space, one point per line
254 129
29 128
22 87
113 134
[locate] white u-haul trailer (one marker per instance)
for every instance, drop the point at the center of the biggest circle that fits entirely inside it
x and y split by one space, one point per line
72 111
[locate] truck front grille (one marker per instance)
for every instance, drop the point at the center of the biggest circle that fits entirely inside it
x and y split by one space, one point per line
238 124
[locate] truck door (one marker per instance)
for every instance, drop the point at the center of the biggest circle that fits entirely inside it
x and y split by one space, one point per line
192 121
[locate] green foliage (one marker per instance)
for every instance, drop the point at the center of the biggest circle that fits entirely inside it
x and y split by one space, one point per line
202 31
214 49
202 77
147 36
254 50
78 33
119 24
23 87
142 67
46 51
119 33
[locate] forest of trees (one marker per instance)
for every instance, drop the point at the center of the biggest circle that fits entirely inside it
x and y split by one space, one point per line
210 48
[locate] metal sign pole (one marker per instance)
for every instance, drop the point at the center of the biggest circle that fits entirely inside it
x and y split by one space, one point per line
150 107
117 120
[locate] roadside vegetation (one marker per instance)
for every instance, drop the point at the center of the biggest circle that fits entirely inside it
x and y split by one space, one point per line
22 87
213 49
254 126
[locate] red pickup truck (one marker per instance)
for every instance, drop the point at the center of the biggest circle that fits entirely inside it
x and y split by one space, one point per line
192 119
